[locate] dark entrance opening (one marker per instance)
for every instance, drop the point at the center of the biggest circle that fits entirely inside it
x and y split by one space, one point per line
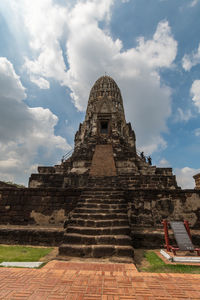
104 127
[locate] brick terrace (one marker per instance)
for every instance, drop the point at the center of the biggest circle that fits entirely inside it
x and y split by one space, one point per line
95 281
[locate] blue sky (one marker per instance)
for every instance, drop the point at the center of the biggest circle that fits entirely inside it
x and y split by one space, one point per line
52 52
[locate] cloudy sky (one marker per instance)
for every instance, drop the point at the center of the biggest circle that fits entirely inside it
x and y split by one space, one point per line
52 52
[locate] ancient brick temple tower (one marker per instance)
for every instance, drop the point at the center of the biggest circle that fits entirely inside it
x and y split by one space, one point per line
105 147
105 168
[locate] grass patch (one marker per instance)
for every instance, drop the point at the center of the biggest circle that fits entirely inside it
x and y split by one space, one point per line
157 265
22 253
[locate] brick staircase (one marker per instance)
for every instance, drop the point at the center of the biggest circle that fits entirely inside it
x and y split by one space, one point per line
99 227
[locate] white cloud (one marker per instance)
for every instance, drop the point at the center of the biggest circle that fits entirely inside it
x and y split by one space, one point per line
193 3
49 63
195 92
91 51
43 130
147 102
191 60
40 82
9 163
7 74
24 132
45 34
183 116
185 178
164 163
161 50
150 146
197 132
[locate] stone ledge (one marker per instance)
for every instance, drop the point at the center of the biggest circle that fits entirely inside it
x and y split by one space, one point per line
150 238
31 235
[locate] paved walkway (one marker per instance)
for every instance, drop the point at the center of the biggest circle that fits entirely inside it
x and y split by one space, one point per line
95 281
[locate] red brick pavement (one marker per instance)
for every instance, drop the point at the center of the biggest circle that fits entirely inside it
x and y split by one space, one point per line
95 281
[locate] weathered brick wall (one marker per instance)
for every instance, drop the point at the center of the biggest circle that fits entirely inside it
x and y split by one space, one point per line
46 180
147 208
153 181
36 206
51 206
4 184
24 235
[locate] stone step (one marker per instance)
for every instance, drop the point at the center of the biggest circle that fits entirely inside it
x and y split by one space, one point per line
87 205
101 193
121 259
102 189
75 238
106 187
103 201
100 230
85 210
105 184
96 251
105 195
97 223
100 216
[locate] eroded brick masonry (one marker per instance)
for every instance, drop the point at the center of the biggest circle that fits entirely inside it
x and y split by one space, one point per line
105 190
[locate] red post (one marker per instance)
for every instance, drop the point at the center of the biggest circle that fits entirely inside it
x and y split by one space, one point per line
186 223
165 224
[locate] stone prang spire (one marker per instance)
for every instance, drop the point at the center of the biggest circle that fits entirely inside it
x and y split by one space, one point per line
105 120
104 147
105 130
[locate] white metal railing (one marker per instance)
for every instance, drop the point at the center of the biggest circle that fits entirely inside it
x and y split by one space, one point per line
67 155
